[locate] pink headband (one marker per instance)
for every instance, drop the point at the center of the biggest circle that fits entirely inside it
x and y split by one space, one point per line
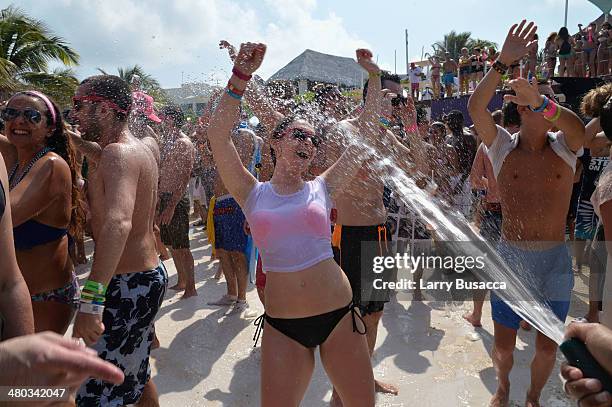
42 97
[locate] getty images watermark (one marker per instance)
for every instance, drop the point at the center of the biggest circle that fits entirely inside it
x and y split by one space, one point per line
458 264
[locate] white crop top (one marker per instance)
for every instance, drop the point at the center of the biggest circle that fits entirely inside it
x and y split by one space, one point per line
504 143
292 232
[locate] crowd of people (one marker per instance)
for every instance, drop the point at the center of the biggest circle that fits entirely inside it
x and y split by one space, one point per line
291 201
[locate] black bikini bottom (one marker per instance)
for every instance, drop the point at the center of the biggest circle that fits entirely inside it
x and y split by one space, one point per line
310 332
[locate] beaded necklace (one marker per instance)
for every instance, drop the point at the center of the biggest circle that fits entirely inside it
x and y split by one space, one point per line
38 156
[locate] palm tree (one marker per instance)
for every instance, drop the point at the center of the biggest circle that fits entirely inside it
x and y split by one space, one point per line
26 48
147 82
453 42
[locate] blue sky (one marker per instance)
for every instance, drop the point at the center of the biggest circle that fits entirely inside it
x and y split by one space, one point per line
177 40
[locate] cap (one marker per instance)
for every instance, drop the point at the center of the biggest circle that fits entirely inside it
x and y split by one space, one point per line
143 104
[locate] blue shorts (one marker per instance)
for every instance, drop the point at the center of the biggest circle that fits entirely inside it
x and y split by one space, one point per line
448 78
229 225
547 274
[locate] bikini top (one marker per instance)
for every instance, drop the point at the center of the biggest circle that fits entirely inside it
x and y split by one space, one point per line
292 232
504 143
32 233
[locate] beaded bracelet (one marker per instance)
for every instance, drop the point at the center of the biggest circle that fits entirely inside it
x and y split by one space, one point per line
241 75
500 67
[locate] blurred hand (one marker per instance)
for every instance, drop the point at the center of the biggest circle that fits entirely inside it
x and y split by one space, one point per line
48 359
89 327
364 58
527 94
250 57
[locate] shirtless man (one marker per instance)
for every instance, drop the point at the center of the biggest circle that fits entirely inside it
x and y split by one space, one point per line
535 175
177 155
127 283
361 211
450 69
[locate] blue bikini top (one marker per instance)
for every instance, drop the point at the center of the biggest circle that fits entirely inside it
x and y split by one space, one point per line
32 233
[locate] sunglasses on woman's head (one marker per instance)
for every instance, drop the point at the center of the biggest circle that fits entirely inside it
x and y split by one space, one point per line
302 135
31 115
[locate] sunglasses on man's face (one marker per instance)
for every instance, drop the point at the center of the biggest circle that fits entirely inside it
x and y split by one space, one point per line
302 135
31 115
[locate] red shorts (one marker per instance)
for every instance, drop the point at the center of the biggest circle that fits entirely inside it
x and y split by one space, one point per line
260 276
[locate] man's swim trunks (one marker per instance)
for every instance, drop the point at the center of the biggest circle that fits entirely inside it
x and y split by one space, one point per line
229 225
132 303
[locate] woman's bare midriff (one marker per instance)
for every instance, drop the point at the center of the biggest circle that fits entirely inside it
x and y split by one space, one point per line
316 290
46 267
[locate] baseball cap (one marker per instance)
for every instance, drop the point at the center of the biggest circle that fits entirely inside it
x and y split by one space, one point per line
143 104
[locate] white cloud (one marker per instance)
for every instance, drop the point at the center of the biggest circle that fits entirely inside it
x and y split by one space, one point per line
167 37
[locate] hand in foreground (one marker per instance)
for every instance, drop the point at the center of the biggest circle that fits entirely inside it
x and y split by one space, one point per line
518 42
88 326
598 340
47 359
364 58
527 94
250 57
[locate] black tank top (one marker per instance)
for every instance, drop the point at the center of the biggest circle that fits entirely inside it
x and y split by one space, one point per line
2 200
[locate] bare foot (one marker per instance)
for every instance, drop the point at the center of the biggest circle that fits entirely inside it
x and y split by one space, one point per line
189 293
532 401
525 325
155 344
500 399
335 400
469 317
177 287
380 387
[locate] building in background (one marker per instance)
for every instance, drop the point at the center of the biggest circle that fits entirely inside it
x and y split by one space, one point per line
191 97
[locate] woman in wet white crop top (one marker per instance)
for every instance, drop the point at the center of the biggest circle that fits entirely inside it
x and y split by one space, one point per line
308 297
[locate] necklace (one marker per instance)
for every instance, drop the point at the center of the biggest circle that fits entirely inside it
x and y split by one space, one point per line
38 156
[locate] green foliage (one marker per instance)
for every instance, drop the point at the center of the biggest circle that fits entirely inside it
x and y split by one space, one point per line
147 82
27 47
454 41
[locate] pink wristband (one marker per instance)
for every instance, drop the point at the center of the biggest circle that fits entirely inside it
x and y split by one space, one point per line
551 110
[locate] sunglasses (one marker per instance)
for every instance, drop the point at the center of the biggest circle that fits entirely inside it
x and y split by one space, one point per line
302 135
31 115
78 102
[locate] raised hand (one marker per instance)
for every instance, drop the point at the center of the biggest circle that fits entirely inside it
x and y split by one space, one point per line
250 57
527 94
364 58
230 49
518 42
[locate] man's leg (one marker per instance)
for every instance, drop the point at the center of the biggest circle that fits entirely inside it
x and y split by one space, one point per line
503 359
241 273
474 317
149 397
186 264
180 284
230 279
541 367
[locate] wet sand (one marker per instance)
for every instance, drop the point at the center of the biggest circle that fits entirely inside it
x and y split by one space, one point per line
425 348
